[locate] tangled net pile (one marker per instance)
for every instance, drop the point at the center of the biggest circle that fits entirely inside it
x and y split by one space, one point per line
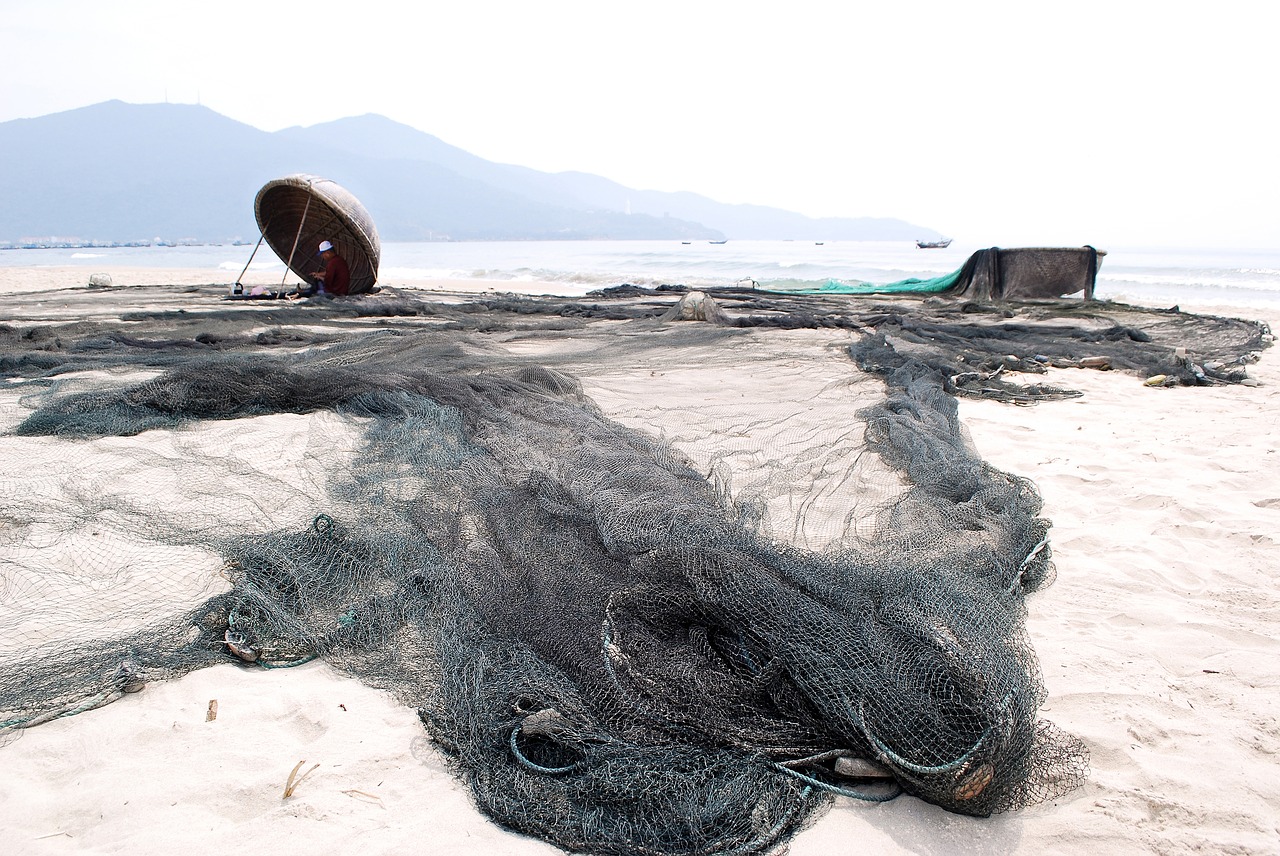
608 646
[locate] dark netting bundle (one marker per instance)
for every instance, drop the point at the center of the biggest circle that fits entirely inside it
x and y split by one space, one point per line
620 649
977 347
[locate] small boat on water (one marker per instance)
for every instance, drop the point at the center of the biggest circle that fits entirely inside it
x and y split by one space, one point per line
718 242
934 245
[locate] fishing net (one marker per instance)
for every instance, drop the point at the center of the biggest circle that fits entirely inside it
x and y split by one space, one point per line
677 615
984 349
1020 273
910 285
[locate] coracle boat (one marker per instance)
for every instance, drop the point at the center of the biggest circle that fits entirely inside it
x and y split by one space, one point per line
297 212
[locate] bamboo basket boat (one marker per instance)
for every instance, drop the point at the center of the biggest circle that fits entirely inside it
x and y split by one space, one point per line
297 212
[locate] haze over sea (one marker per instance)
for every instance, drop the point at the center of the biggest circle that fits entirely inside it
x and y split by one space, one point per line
1152 277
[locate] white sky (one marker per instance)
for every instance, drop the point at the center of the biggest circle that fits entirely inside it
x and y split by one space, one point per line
998 123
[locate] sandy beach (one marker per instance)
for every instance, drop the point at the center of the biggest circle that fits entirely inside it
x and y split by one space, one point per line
1159 642
18 279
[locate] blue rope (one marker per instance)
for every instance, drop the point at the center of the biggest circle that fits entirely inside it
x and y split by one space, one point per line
894 791
537 768
898 761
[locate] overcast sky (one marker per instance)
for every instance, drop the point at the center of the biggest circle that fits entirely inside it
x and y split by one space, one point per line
998 123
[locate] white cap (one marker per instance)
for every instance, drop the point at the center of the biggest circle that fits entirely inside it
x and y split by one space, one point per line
325 246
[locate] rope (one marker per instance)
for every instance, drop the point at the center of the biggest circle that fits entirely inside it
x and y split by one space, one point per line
767 838
239 284
1035 551
90 703
829 755
612 652
897 760
1022 569
289 265
530 765
894 791
284 664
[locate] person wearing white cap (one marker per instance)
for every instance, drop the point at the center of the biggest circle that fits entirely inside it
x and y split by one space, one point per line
335 279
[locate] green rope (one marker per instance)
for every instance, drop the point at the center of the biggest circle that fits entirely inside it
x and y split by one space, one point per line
897 760
894 791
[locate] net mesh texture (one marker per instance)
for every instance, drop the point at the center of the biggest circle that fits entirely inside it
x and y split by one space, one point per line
682 627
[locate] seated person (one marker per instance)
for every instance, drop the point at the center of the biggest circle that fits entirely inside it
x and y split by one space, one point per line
335 279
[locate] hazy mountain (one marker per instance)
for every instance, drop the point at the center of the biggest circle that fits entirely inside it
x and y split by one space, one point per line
124 172
376 135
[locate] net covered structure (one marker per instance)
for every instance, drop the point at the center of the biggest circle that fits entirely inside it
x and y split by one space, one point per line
999 274
627 630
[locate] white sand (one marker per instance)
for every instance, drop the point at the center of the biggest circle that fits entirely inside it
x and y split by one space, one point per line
1159 642
40 278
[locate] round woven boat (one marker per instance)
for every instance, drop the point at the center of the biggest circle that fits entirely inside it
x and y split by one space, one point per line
297 212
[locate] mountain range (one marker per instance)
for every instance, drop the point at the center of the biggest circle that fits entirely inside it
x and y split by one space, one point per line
117 172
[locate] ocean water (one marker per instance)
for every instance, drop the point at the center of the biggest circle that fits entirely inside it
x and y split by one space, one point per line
1153 277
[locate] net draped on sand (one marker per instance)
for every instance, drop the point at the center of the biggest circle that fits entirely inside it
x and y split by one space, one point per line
620 646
